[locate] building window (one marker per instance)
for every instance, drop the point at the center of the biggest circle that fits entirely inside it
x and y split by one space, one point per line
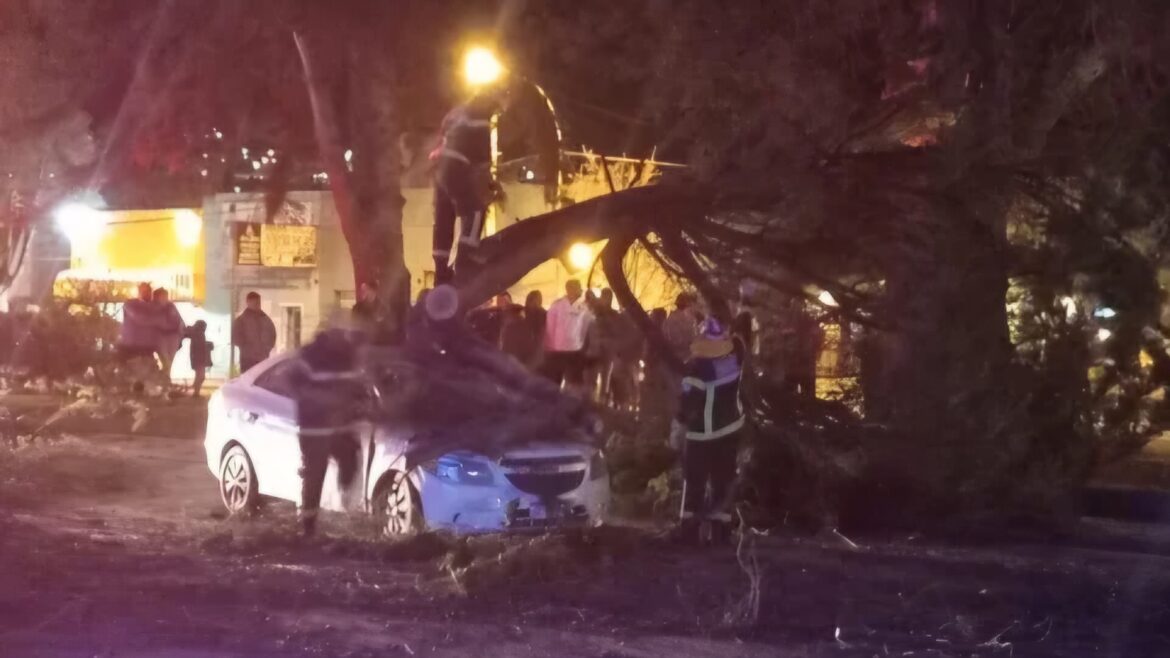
292 326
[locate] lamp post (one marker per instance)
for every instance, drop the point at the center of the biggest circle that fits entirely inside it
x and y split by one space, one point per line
481 68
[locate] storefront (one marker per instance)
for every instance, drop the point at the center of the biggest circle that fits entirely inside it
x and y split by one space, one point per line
112 252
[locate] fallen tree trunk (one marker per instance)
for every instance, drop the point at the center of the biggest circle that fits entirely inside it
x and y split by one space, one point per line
520 248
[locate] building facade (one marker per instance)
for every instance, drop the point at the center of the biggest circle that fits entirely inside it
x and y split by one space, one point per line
211 258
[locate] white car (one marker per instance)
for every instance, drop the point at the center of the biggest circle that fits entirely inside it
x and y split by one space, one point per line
253 451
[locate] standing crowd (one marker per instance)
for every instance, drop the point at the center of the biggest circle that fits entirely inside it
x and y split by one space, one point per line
153 331
151 335
581 342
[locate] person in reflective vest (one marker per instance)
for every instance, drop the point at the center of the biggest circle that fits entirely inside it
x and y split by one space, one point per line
332 396
707 429
462 164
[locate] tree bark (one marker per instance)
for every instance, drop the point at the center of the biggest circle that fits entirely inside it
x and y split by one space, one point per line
377 163
945 366
515 251
369 201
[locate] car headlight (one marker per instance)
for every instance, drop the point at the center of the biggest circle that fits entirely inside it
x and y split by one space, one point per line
461 468
597 466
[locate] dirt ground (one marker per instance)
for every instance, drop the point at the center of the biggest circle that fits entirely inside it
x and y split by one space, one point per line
114 544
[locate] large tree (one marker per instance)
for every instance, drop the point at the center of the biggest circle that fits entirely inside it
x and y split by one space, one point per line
919 160
905 148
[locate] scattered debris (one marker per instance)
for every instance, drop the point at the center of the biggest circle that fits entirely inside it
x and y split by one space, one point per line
747 612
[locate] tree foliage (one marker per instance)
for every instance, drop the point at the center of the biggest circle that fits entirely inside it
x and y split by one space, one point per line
914 159
971 180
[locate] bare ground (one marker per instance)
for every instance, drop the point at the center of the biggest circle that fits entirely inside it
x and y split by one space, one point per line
114 545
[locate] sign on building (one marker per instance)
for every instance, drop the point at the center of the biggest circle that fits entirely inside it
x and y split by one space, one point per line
283 245
276 245
247 243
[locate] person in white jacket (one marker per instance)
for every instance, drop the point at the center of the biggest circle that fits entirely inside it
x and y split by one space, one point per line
564 337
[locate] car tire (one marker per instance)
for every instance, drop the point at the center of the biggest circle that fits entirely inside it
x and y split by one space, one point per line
397 507
237 482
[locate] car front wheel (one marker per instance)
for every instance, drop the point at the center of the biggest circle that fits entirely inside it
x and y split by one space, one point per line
397 508
237 482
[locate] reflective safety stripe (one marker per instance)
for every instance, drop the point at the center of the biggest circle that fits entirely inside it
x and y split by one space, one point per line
454 155
471 237
347 375
720 516
441 253
695 382
717 434
472 123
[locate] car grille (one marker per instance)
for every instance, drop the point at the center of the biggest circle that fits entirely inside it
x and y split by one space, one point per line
575 516
547 477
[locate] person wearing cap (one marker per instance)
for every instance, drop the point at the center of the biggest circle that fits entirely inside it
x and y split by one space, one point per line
707 428
460 162
332 396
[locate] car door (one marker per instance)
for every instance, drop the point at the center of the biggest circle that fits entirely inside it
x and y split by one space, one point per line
271 419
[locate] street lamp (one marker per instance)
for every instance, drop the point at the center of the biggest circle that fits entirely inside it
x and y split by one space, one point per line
188 227
79 222
481 67
580 256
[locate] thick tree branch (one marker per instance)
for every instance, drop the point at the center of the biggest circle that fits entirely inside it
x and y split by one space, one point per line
612 258
677 250
518 249
1086 69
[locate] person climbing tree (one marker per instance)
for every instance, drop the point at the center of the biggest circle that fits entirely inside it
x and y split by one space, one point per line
462 161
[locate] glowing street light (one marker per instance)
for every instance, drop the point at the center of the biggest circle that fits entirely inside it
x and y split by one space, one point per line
826 298
188 227
481 67
580 256
80 223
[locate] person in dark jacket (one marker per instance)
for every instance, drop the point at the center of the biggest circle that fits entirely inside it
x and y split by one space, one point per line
487 322
254 333
367 310
370 314
515 340
332 397
534 320
707 429
462 160
199 349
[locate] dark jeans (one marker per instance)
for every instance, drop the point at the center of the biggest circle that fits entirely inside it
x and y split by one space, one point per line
567 367
316 450
711 461
127 353
455 196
